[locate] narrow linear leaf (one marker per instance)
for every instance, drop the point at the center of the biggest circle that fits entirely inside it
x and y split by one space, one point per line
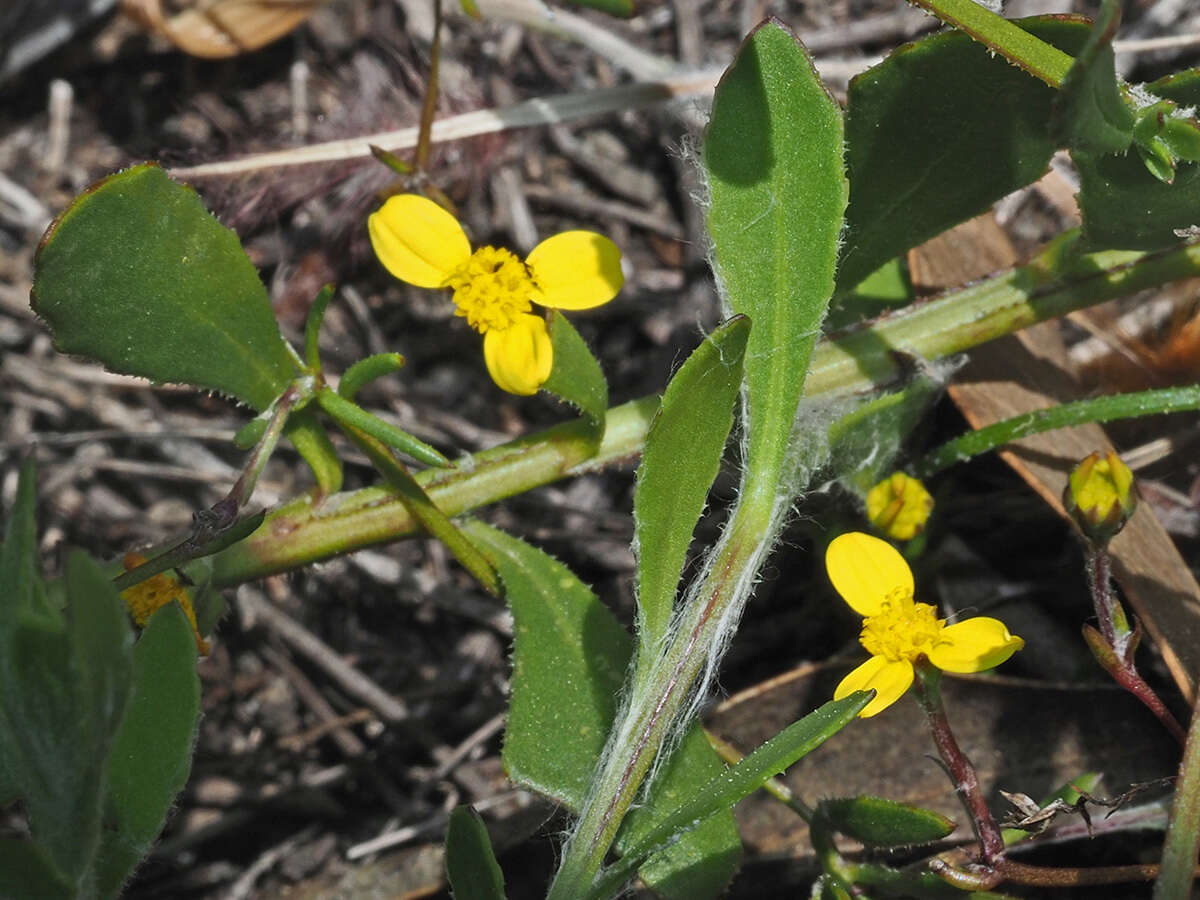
312 327
773 156
937 133
138 275
471 865
367 370
885 823
343 410
750 774
18 553
576 377
312 443
570 657
681 458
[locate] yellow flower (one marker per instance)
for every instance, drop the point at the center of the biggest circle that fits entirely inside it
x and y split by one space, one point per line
1101 496
899 506
876 582
146 597
422 244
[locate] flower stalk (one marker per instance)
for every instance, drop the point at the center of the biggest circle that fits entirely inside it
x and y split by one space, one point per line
966 781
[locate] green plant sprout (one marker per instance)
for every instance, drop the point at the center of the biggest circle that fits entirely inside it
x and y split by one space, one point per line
803 200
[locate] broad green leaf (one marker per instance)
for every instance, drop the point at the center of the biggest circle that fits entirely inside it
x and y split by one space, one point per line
885 823
471 865
28 873
1091 112
887 287
570 657
1126 207
937 133
152 751
682 456
751 773
773 156
576 376
64 688
138 275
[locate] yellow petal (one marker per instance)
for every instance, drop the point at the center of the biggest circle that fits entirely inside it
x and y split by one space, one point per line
417 240
576 270
974 645
889 679
864 570
519 358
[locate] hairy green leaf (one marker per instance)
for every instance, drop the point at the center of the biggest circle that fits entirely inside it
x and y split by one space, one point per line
1091 112
471 866
773 156
138 275
682 456
937 133
751 773
152 751
570 657
576 376
28 873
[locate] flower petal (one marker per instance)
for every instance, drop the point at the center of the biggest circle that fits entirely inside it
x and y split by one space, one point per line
974 645
519 358
576 270
865 570
417 240
889 679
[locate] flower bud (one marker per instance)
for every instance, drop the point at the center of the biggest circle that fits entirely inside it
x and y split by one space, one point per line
1101 496
899 506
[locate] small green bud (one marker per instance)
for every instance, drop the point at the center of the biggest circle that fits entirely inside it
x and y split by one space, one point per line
1101 496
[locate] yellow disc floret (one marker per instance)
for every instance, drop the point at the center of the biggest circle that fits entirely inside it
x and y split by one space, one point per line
902 629
492 289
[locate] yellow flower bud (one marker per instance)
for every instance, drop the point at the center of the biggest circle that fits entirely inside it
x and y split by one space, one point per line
1101 496
899 506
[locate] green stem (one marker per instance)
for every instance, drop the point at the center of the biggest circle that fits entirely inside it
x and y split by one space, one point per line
1041 60
1096 409
855 361
1183 833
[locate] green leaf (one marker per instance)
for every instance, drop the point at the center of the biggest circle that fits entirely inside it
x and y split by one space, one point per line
18 553
367 370
885 823
1091 112
773 155
137 274
576 377
1125 207
471 865
28 873
152 751
888 286
622 8
570 656
937 133
682 456
751 773
312 442
345 411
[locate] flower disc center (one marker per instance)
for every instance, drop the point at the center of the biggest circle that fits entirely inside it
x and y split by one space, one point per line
902 629
492 289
